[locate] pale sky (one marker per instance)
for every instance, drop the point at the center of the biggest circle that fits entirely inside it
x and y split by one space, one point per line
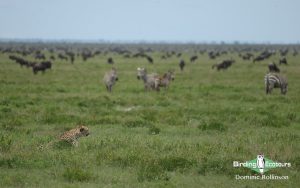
275 21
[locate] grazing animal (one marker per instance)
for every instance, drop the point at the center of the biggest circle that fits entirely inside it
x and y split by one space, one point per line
181 65
73 135
36 67
283 61
165 80
110 60
273 67
150 80
246 56
62 57
110 79
264 55
223 65
150 59
193 58
40 56
275 81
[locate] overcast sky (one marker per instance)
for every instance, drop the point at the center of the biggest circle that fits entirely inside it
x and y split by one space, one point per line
275 21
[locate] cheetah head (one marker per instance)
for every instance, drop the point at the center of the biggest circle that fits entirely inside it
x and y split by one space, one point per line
84 131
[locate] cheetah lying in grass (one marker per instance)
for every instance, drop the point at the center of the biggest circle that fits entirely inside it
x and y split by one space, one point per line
71 136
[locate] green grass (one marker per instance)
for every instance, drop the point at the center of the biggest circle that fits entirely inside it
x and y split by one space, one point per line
187 136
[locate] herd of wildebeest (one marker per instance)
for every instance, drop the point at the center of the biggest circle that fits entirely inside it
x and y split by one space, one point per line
40 57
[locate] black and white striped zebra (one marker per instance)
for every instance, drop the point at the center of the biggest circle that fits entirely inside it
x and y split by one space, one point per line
275 81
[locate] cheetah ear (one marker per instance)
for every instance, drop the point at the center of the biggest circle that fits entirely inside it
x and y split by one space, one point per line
81 129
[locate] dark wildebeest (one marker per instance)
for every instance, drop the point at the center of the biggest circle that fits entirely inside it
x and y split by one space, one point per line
283 61
19 60
40 56
264 55
273 67
181 65
36 67
47 64
193 58
246 56
110 60
150 60
71 55
150 80
62 57
275 81
110 79
52 57
223 65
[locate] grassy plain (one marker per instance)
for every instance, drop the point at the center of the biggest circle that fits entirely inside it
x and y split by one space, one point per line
187 136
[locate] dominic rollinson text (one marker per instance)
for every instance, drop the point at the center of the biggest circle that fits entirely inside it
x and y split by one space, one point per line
261 177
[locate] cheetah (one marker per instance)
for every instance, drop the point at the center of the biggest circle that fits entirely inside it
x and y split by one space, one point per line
73 135
70 136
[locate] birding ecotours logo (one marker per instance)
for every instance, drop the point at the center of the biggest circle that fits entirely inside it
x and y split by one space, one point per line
260 161
261 164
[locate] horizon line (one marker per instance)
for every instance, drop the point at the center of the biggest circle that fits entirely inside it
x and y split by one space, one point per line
116 41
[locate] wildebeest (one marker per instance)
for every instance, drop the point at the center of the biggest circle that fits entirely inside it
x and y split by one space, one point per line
71 55
150 80
43 66
275 81
110 60
19 60
246 56
181 65
223 65
165 80
52 57
284 52
86 55
282 61
40 56
264 55
150 59
62 57
110 79
273 67
193 58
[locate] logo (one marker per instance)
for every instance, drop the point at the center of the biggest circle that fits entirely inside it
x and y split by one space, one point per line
261 165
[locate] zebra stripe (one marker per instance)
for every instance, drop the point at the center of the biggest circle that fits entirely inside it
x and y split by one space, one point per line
275 81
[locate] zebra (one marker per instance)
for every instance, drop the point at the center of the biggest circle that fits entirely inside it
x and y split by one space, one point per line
110 79
275 81
150 80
